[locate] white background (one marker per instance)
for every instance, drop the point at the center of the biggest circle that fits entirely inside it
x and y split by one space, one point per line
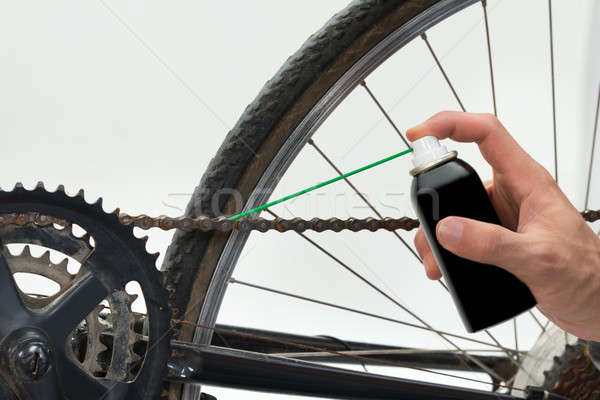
130 100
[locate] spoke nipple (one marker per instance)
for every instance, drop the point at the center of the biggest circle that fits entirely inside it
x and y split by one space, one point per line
424 36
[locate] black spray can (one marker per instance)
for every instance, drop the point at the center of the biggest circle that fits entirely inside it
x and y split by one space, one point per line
443 186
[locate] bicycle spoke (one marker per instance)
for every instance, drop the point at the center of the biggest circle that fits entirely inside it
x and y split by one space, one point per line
424 75
509 352
546 325
365 313
378 352
266 358
516 338
362 278
356 274
422 321
519 361
362 196
385 114
537 321
366 201
553 88
437 61
589 177
426 326
381 292
489 51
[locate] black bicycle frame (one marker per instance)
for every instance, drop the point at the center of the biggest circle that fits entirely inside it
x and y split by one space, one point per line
242 369
253 371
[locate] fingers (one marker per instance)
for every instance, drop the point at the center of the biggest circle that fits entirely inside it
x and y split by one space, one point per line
431 268
482 242
497 146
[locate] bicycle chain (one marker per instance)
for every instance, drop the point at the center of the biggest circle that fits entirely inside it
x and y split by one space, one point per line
223 224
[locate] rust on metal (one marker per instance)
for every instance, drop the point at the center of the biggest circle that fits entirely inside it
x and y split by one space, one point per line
221 223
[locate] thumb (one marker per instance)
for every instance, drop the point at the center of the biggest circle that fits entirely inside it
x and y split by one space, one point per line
480 241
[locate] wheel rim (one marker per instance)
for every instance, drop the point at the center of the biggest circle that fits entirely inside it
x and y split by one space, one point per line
286 155
288 152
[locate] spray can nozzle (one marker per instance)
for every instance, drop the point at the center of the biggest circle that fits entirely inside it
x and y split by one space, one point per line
426 150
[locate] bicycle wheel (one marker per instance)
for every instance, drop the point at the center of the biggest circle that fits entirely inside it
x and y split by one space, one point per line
271 133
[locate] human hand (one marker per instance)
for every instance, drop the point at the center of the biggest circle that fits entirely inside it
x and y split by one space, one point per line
544 241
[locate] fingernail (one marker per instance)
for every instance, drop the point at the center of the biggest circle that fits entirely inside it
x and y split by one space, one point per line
449 232
409 132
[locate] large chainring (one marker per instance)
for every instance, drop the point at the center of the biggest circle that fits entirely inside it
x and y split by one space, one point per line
72 320
87 340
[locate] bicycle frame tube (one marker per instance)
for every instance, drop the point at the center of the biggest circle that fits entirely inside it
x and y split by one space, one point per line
253 371
272 343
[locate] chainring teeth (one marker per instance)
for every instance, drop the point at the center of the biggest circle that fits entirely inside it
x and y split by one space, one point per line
26 262
132 354
43 266
112 219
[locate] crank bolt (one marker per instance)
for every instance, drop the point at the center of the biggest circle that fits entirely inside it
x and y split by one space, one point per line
33 360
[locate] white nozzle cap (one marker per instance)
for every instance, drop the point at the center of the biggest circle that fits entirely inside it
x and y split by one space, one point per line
426 150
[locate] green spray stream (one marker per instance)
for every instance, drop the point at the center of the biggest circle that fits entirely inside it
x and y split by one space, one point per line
320 185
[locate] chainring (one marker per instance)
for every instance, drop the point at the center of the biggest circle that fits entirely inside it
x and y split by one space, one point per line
88 346
114 257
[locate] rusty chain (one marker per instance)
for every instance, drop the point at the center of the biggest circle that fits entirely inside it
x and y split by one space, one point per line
207 224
